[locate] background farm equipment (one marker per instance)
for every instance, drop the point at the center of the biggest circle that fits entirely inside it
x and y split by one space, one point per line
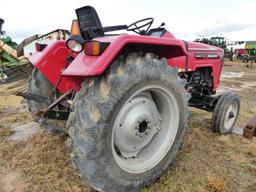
12 67
1 24
232 50
215 41
27 47
250 56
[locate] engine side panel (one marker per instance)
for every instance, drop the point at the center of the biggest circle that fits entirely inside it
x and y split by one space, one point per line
200 56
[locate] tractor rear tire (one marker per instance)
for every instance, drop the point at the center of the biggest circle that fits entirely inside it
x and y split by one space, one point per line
225 113
128 124
39 85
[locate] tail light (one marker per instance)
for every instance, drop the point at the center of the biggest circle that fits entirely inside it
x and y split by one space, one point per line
40 47
95 48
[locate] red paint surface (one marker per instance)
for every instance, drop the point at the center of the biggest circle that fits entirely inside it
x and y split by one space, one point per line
52 59
84 65
193 63
51 62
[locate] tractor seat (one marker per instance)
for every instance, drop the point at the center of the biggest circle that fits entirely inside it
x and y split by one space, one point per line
89 23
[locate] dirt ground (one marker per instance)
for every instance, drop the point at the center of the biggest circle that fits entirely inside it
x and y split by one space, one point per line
206 162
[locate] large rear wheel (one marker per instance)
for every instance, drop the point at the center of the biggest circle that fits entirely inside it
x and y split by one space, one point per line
127 126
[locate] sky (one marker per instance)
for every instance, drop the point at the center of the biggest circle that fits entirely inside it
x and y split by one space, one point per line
186 19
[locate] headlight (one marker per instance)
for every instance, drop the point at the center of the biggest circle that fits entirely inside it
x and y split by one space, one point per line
75 43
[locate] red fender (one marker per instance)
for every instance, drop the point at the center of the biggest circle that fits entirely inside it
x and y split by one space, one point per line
84 65
51 61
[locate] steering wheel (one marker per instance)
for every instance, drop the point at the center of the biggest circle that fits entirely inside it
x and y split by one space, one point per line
138 25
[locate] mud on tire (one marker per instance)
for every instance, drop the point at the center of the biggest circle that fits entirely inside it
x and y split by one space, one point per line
39 85
96 110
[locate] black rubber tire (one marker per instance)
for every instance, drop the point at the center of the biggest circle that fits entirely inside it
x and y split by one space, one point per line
220 111
39 85
95 109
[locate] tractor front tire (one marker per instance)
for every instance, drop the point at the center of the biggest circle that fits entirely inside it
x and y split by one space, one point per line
128 124
39 85
225 113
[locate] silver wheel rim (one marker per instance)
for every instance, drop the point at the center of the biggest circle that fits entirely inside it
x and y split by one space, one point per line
145 129
230 116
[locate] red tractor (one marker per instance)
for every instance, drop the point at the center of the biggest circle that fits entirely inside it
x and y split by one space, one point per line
123 98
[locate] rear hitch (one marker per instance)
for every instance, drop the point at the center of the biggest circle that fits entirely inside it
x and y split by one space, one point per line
49 112
56 114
